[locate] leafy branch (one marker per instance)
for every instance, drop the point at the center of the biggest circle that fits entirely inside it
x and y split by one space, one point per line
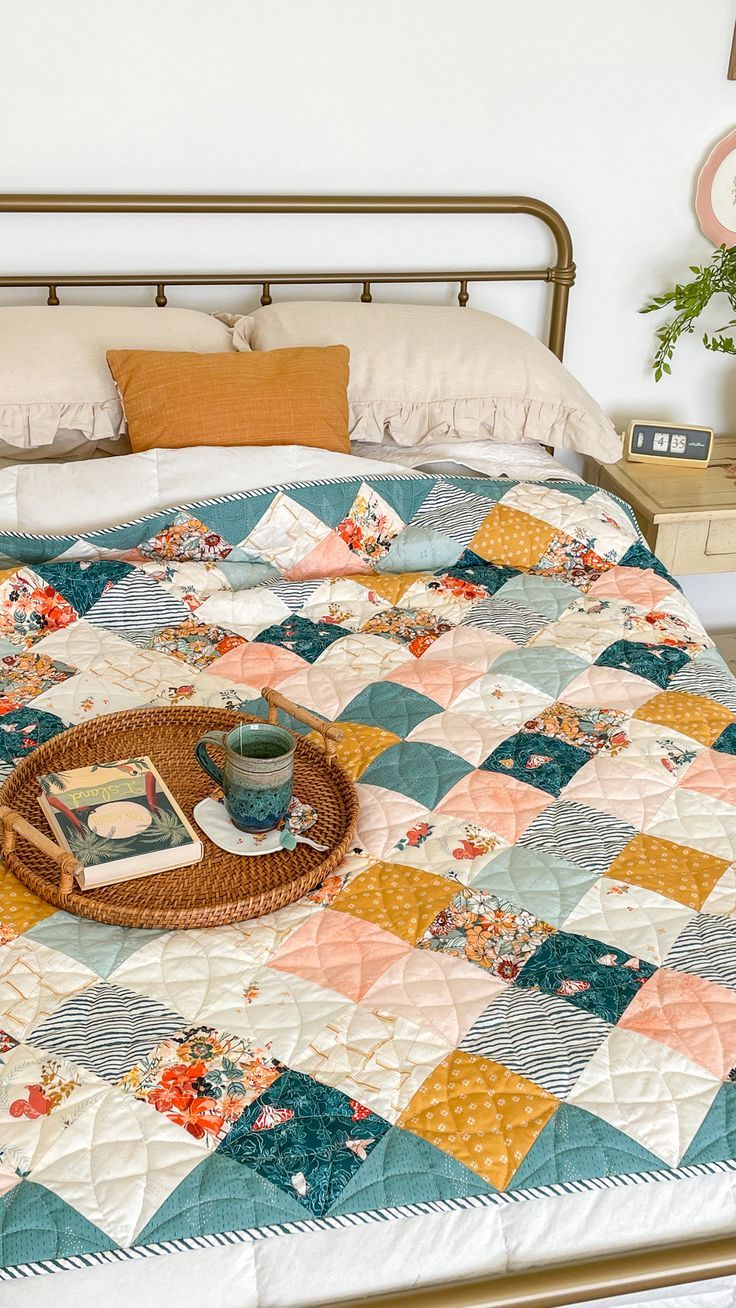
688 300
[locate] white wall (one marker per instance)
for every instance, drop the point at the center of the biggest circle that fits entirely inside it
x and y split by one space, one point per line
604 109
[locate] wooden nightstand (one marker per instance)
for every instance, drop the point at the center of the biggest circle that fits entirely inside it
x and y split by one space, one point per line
687 515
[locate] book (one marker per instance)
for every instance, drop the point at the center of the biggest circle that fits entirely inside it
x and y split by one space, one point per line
119 820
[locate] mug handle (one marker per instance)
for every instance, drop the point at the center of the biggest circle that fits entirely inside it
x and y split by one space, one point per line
203 755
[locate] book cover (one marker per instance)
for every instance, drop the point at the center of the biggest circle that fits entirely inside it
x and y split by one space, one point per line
118 819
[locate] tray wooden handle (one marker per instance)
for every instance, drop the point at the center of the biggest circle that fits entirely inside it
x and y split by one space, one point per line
330 733
14 825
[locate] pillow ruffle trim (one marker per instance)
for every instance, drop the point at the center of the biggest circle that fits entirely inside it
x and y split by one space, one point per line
506 419
30 426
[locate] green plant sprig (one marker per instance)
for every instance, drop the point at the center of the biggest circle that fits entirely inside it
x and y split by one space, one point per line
689 299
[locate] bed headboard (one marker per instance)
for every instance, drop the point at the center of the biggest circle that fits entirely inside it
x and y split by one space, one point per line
560 275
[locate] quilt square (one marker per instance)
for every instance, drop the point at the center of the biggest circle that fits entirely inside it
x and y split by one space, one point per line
629 916
692 715
370 526
439 680
717 1135
549 887
302 637
344 953
396 708
34 982
654 663
512 538
726 742
453 847
256 664
712 773
106 1029
650 1092
376 1057
187 539
502 616
578 833
30 608
82 583
538 1036
385 817
507 700
577 1145
40 1094
587 973
480 928
591 729
421 772
671 870
623 787
481 1113
542 761
285 533
434 990
80 1164
86 695
417 629
401 900
453 511
202 1080
471 735
499 802
707 674
613 687
361 745
306 1138
26 675
689 1014
690 818
705 949
548 668
136 607
196 643
24 729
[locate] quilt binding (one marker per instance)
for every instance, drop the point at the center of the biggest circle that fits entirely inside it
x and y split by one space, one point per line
344 1221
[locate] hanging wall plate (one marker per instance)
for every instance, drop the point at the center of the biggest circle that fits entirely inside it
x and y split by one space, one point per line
715 197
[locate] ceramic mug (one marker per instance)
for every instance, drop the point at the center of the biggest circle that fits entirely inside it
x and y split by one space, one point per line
258 774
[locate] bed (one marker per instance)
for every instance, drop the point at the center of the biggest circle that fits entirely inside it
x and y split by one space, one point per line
493 1059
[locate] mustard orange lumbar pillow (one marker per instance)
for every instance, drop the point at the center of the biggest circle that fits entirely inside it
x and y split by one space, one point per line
174 399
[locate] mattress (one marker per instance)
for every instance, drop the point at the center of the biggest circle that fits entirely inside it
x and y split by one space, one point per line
504 1032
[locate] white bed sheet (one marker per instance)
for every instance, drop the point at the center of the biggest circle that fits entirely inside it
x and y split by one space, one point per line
63 497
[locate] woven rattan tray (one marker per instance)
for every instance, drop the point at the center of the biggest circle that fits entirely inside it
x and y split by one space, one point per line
222 887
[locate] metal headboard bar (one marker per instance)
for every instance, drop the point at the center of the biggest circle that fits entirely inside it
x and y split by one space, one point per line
560 275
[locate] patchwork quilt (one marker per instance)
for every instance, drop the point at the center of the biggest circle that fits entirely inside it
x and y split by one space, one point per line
522 979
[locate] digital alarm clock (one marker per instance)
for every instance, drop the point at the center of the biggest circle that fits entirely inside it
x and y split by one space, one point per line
648 442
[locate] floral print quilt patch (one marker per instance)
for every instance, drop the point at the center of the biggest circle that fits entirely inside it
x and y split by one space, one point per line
524 973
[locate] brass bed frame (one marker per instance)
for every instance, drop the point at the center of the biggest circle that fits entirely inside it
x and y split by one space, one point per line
563 1283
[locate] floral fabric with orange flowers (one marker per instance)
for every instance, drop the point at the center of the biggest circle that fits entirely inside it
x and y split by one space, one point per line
523 975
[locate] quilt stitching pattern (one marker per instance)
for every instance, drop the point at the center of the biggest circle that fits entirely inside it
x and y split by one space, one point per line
525 973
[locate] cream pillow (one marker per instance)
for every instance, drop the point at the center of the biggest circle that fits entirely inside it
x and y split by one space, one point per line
422 373
56 391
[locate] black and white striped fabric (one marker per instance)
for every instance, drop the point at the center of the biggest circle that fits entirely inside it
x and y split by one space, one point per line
707 948
107 1029
705 678
452 512
539 1036
506 619
582 835
137 607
